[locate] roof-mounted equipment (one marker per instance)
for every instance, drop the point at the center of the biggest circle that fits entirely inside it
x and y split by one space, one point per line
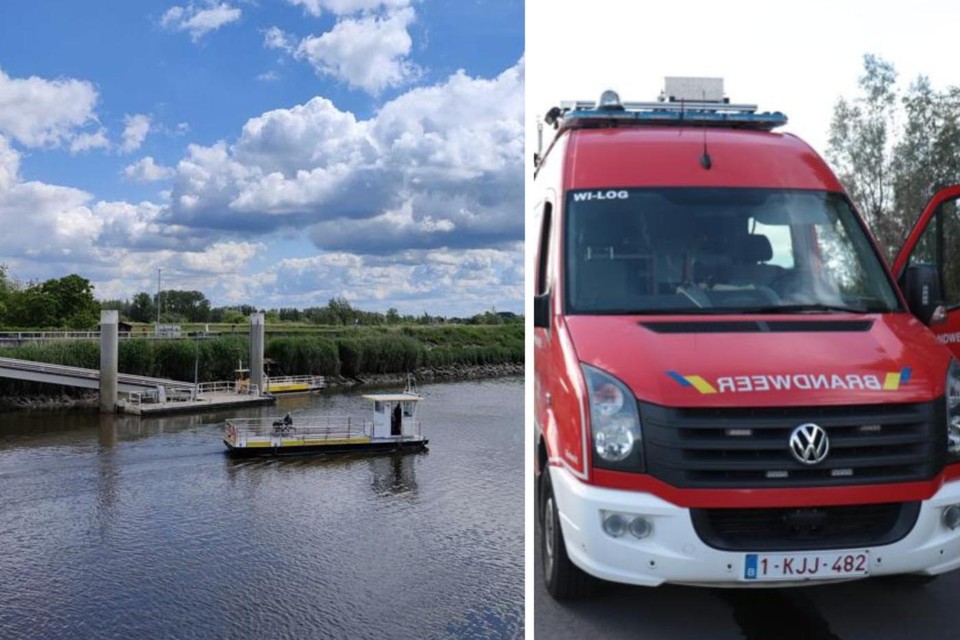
694 102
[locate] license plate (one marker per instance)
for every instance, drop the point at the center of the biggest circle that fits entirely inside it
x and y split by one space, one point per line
805 566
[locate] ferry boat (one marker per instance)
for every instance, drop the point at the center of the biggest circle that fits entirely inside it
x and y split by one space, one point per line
394 427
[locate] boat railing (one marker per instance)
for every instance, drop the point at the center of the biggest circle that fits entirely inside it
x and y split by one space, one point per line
227 386
219 386
305 379
315 382
314 428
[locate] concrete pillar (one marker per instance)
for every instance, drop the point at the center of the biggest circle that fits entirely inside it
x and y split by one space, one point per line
256 350
108 361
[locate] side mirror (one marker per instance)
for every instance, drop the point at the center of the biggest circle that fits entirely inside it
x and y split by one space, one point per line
921 286
541 311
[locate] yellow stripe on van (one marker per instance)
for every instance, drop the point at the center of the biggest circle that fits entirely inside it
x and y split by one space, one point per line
892 382
700 384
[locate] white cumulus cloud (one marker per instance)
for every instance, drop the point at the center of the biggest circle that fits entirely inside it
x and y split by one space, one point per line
370 52
344 7
412 281
147 170
198 21
9 164
277 38
87 141
438 166
268 76
59 215
36 112
135 131
222 257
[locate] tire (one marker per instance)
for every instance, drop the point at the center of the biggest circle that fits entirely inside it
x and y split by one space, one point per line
563 579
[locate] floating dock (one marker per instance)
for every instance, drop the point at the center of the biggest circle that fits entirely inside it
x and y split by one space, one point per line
209 402
207 396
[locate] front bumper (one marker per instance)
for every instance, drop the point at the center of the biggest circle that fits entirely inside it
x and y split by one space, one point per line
674 553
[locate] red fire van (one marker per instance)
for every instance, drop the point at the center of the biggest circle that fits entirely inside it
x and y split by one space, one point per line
732 387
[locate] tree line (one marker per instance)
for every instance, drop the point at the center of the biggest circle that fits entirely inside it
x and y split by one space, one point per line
193 306
66 302
893 148
69 303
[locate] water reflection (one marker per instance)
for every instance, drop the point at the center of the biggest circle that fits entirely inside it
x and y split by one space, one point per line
390 473
108 430
108 471
294 403
394 474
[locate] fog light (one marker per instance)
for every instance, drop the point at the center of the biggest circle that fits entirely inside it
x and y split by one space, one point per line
640 527
951 516
615 525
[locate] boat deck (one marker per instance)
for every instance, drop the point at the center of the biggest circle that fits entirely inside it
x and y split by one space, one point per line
277 435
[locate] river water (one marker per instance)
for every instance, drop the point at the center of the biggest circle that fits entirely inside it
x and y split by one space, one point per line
121 527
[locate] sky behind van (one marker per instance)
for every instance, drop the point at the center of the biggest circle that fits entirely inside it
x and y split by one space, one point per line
272 152
795 58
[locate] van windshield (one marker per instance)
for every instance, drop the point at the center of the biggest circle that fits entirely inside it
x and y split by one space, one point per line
710 250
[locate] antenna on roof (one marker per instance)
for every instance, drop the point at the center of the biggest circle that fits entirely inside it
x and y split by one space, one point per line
705 161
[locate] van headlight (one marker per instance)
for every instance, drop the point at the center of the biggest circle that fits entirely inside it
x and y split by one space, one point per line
614 422
953 411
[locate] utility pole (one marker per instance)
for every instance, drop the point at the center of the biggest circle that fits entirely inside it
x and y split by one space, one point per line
159 271
196 365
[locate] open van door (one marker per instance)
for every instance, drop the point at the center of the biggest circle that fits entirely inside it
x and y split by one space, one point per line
931 256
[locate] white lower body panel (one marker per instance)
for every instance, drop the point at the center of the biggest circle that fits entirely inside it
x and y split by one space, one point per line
674 553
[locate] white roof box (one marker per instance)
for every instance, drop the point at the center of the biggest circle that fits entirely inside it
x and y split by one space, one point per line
676 89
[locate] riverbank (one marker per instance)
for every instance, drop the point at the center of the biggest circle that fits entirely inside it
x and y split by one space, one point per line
433 374
89 399
81 400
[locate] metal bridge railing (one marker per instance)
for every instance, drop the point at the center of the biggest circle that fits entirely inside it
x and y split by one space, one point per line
16 338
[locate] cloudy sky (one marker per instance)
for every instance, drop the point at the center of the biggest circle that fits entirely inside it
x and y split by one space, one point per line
273 152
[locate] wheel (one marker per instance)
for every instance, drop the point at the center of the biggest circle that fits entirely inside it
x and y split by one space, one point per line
563 579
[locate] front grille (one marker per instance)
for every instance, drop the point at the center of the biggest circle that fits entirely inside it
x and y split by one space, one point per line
797 529
748 447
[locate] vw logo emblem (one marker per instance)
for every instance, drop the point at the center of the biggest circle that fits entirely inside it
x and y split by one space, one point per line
809 444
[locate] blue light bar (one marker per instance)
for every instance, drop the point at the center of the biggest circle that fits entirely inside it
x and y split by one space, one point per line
671 116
